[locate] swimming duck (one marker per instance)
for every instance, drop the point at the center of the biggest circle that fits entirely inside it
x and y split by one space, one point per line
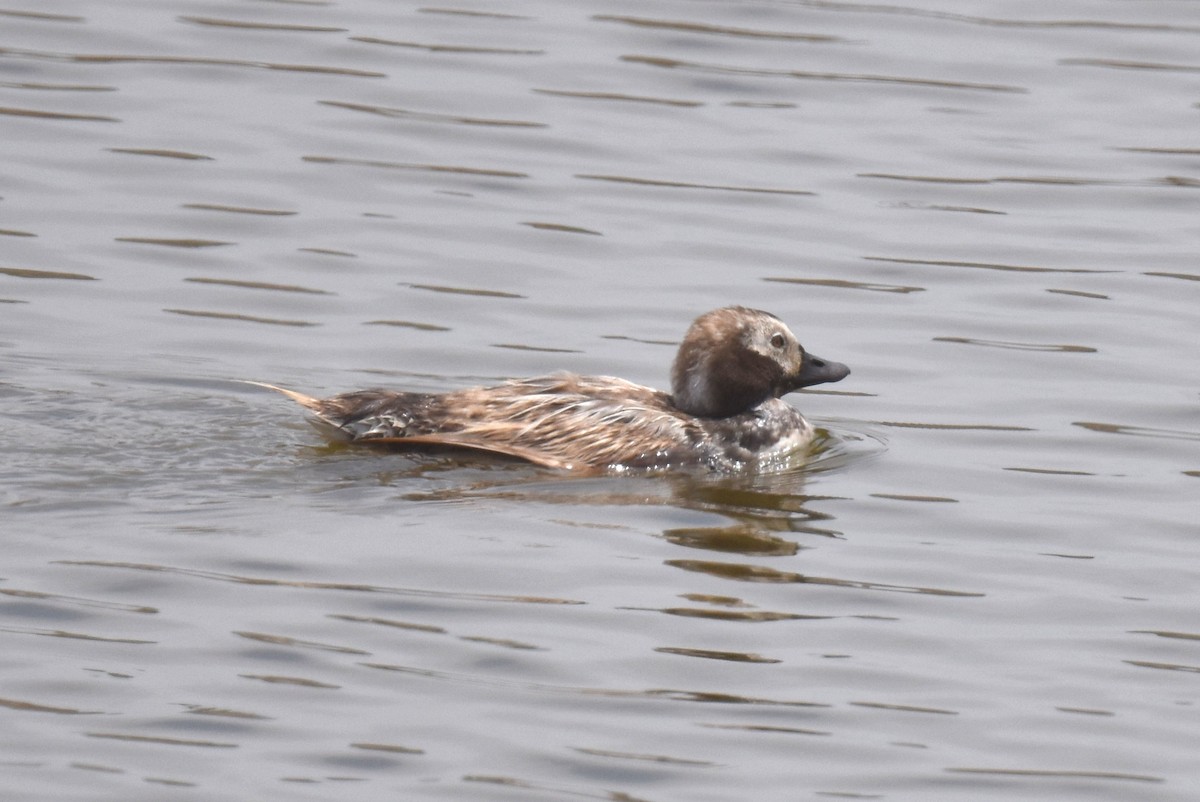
724 411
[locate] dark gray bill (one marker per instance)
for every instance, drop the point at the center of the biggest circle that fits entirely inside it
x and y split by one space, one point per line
818 371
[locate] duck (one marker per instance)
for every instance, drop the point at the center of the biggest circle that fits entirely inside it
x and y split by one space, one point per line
725 412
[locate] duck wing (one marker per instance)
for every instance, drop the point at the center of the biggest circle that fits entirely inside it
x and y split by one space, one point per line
566 421
471 443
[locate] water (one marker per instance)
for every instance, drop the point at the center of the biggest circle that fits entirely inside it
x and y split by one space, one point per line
985 587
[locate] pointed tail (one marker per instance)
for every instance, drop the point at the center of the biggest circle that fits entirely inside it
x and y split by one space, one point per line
303 400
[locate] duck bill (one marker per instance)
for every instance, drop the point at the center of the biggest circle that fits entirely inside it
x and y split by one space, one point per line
818 371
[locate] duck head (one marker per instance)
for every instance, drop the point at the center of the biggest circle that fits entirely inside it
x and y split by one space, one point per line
733 359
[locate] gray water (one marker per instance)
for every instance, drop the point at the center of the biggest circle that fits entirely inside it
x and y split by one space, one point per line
984 588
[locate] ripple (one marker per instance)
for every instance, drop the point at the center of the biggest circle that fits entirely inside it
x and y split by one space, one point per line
845 284
678 761
1081 294
562 228
627 338
430 168
842 443
259 26
1162 151
169 782
33 707
709 654
390 748
983 265
717 30
328 252
164 154
1051 471
1085 711
96 767
506 643
55 115
21 272
1061 774
78 601
541 349
766 728
463 12
906 708
441 48
725 69
270 321
741 572
114 58
557 791
41 16
1016 346
1049 180
949 16
923 499
429 117
302 682
1182 276
931 179
155 739
61 633
170 242
1137 431
284 640
390 622
745 616
217 207
311 585
224 712
655 182
1123 64
621 97
1163 666
408 324
961 427
258 285
665 694
479 293
1167 634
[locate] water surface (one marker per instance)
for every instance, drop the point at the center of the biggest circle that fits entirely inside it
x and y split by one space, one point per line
984 589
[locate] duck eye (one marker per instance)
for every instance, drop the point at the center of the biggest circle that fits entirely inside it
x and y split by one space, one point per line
778 340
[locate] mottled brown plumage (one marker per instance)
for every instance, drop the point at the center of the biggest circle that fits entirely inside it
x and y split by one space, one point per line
724 412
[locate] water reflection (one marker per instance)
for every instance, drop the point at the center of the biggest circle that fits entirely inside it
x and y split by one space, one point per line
243 579
760 506
652 694
712 654
741 538
761 573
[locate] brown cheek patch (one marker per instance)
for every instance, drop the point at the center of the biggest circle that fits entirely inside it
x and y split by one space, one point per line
750 380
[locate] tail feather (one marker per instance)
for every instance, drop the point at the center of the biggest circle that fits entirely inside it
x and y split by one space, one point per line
315 404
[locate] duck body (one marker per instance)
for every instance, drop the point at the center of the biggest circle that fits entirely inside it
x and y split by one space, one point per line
724 412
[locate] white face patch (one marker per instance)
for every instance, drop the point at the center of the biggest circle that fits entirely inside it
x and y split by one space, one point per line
697 384
774 340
